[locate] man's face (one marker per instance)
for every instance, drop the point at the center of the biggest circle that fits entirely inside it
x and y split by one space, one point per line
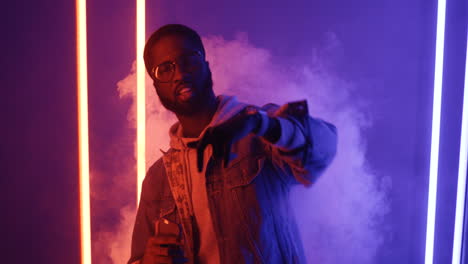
189 87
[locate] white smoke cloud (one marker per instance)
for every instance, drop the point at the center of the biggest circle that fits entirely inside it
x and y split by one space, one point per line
340 216
113 246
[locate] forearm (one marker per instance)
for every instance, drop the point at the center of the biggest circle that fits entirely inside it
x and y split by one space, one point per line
300 144
281 132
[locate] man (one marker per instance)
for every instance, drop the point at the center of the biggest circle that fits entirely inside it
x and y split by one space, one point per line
225 180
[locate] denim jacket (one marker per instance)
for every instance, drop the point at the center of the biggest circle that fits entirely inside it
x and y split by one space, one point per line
248 200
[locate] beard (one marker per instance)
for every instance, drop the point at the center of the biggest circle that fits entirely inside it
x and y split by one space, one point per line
194 104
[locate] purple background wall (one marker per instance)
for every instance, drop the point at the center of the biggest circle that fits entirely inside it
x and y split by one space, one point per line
386 51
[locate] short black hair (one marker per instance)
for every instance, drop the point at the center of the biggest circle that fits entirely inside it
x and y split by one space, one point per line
167 30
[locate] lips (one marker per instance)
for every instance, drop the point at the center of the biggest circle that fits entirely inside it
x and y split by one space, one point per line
184 92
183 88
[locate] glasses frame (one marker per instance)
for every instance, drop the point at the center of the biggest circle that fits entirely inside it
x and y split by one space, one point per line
174 63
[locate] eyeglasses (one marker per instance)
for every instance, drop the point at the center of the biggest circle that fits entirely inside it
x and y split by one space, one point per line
190 62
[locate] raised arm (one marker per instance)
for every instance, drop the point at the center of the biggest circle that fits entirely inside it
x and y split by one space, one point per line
299 144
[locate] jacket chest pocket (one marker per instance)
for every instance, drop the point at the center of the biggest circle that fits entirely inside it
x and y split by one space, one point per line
243 171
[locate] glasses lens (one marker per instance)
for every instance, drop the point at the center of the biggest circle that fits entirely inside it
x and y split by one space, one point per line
164 72
189 63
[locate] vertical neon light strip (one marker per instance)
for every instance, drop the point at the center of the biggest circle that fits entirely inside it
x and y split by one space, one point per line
436 109
462 171
82 78
140 73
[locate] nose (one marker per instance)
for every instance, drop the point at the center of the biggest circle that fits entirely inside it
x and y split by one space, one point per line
180 74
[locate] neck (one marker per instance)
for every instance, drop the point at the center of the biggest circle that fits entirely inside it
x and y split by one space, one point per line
193 124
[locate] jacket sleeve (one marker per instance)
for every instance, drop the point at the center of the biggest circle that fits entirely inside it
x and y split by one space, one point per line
306 145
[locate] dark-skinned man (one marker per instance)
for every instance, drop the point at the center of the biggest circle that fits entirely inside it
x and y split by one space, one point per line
226 178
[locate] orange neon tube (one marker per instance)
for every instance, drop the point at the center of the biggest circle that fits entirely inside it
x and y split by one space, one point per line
140 76
83 142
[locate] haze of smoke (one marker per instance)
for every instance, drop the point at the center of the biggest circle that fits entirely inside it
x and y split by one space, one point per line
113 246
340 216
112 201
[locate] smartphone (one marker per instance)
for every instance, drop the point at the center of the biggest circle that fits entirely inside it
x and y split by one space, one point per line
298 108
167 228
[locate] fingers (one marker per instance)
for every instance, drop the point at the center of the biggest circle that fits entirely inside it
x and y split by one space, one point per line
179 260
164 260
221 139
167 251
161 251
201 146
200 151
164 240
227 153
164 249
170 260
218 149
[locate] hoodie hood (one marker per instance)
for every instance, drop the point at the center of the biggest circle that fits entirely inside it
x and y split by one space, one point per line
228 106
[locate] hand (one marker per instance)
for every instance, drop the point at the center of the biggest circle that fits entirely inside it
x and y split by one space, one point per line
163 250
222 136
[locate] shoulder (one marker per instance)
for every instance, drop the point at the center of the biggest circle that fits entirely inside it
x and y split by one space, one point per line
156 168
155 181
